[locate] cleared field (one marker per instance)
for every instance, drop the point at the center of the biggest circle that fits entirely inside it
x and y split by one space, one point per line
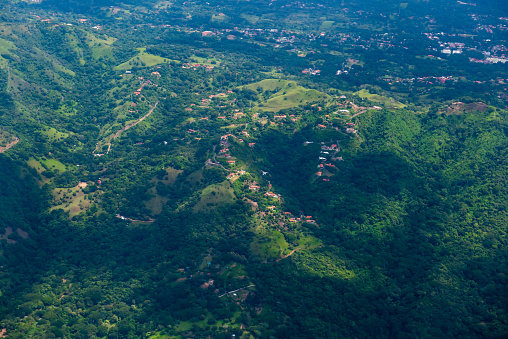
269 244
388 102
214 196
156 204
53 134
207 61
74 42
46 164
36 165
143 59
100 47
71 200
5 49
250 18
219 18
54 164
326 25
163 4
284 94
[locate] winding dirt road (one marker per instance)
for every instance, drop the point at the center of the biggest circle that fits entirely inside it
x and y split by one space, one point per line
288 255
117 134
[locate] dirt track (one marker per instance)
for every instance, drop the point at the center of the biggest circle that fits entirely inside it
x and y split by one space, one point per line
117 134
9 145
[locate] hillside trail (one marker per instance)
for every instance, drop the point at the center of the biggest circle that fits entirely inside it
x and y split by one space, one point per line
289 254
117 134
9 145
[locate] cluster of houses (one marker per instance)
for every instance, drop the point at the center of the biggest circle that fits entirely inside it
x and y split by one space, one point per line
272 195
311 71
234 175
325 152
492 53
302 218
420 80
196 66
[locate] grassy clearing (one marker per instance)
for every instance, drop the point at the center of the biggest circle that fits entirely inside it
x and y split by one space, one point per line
163 4
100 47
46 164
53 164
214 196
62 69
74 42
269 244
36 165
172 175
6 45
326 25
53 134
250 18
143 59
280 94
71 200
6 30
156 204
219 18
207 61
233 271
5 48
386 101
194 177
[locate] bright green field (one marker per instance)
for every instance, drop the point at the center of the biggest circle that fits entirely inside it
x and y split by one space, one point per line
51 164
326 25
288 94
269 244
143 59
100 47
53 134
388 102
214 196
54 164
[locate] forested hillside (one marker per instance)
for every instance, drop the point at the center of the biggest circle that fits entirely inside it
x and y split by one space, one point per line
217 169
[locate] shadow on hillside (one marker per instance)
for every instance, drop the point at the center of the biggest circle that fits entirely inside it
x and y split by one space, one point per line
389 226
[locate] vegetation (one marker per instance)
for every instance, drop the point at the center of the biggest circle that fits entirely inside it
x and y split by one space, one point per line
257 169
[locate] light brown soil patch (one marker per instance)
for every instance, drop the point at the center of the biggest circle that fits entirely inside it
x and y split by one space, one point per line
288 255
